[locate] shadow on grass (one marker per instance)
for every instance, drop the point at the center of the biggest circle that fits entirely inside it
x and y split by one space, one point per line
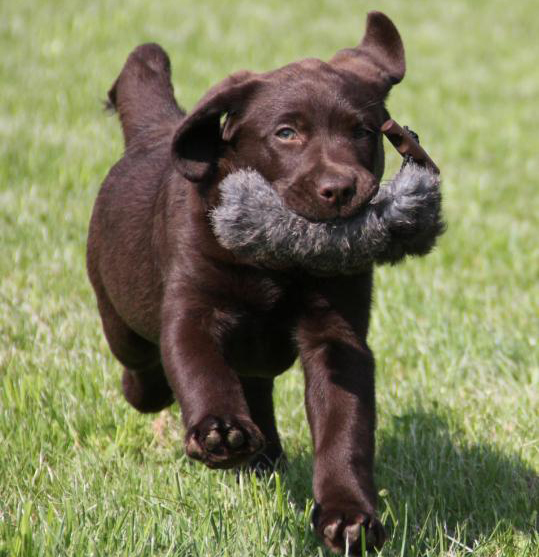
437 477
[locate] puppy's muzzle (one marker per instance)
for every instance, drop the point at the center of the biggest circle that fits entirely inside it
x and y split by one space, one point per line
404 218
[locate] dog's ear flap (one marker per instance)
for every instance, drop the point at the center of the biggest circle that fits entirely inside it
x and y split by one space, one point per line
196 144
379 58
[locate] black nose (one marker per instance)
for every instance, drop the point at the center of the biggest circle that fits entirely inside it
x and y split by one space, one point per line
337 193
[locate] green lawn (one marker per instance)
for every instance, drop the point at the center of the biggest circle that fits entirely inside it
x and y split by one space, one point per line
456 334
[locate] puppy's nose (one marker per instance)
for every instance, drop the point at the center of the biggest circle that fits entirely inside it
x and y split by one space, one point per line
337 193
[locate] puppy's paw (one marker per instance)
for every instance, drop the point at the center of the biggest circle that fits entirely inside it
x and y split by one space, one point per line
223 442
340 529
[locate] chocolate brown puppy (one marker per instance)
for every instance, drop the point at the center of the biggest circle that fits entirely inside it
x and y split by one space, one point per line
193 321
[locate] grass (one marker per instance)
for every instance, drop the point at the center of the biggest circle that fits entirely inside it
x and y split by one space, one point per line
455 334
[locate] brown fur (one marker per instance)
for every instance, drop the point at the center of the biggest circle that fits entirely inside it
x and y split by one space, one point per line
191 321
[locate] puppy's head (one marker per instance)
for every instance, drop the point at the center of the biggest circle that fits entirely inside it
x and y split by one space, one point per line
311 128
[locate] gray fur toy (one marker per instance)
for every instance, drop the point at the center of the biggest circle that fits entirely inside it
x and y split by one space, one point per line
404 218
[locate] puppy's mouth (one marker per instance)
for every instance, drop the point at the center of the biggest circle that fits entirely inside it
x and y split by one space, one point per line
402 218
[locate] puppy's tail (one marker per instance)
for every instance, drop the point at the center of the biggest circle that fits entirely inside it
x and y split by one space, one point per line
143 94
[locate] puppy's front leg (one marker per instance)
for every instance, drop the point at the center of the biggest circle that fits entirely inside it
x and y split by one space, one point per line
220 431
339 393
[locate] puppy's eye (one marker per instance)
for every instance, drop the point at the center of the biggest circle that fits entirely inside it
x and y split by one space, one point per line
360 132
286 133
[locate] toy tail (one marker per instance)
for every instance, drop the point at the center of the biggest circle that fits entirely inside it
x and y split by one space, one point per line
143 94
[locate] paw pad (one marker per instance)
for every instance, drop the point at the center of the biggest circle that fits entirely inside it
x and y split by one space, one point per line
223 442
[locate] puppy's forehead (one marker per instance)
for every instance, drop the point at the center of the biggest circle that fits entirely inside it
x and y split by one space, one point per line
314 85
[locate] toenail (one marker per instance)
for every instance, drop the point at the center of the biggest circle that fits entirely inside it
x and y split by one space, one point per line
353 532
330 531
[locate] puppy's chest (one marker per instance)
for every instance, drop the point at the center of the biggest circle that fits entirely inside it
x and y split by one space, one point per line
255 328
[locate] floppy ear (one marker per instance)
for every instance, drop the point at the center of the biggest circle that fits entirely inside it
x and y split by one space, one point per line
379 58
196 144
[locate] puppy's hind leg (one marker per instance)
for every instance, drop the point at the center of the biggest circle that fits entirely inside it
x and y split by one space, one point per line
144 383
147 389
258 393
143 94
